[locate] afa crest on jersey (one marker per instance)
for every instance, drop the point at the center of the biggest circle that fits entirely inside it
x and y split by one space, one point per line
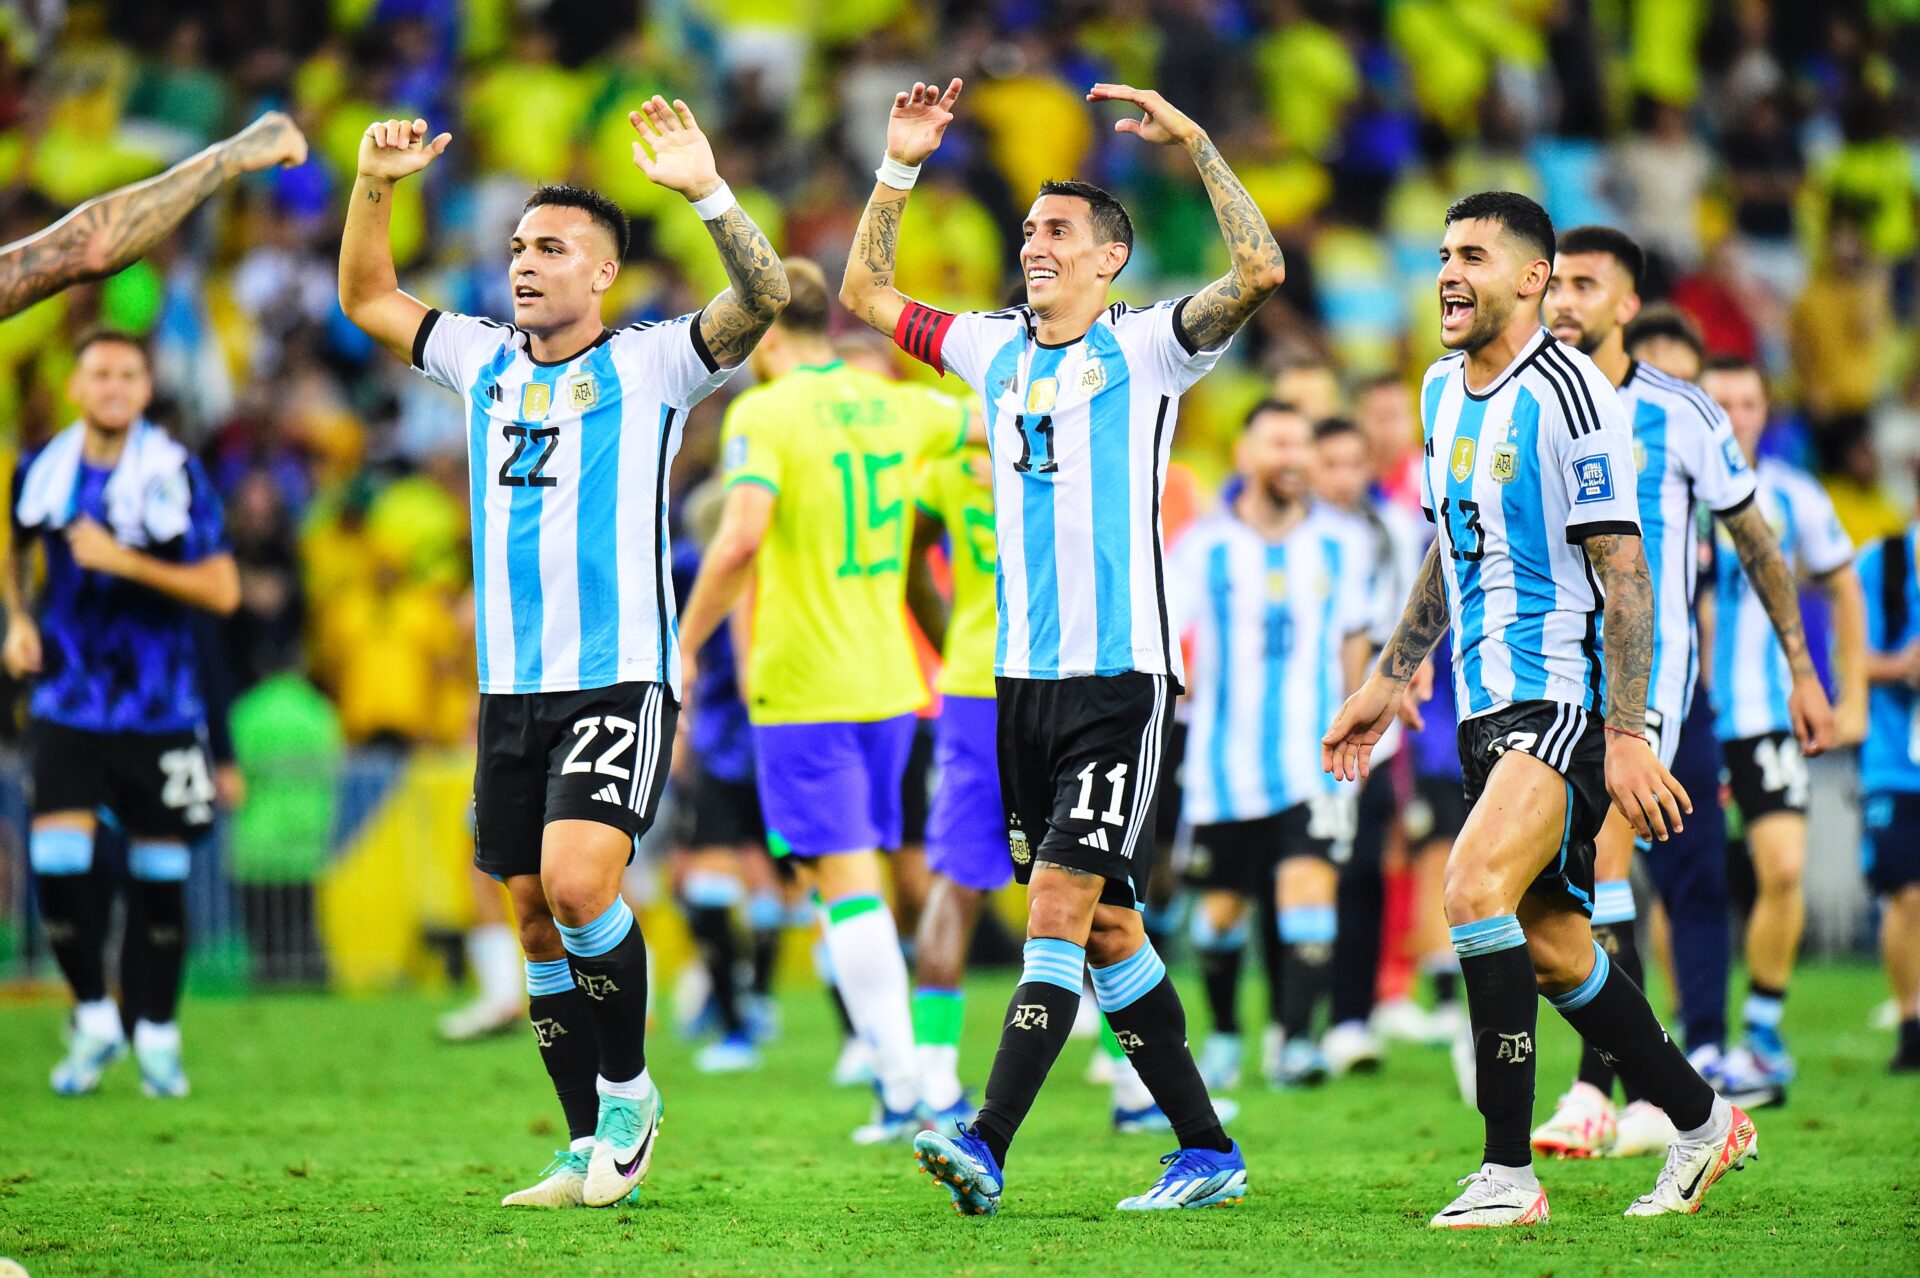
1093 376
1504 465
582 392
1462 460
1639 457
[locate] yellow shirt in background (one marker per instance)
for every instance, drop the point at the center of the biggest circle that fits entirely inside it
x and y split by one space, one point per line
958 491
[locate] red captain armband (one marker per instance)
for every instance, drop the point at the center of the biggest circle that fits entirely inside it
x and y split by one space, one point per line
921 332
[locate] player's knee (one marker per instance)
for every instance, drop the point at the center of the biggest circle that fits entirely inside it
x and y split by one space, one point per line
577 894
1057 914
1115 940
539 937
1470 895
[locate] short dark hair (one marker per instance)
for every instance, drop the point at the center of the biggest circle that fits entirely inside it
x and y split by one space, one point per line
1110 220
1269 405
1379 381
114 337
810 301
1664 320
1725 363
1616 244
1329 427
610 216
1521 216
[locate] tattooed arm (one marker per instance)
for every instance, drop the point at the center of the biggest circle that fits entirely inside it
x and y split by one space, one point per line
917 122
1421 625
1772 579
1217 311
118 228
1640 785
1347 749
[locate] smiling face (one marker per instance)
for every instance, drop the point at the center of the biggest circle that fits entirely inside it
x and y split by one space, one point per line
1275 451
1486 275
1589 298
560 265
1066 266
111 385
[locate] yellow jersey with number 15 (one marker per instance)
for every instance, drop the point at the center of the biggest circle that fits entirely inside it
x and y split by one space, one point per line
840 449
958 491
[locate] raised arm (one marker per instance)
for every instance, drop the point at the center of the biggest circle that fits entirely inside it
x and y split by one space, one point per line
914 128
1772 579
369 288
1218 310
675 154
116 229
1640 785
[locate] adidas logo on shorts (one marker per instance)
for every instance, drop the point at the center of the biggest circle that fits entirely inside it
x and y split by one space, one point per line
608 793
1096 839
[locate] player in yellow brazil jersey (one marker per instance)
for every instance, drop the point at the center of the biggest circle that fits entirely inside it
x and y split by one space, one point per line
966 827
820 462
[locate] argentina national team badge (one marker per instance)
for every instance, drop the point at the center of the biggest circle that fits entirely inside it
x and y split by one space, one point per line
1594 477
1462 465
582 392
1639 458
1505 463
1041 394
535 399
1093 375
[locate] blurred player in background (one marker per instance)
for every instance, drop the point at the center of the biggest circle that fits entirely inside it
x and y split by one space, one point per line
1661 336
820 461
134 541
1278 594
1080 398
1771 710
1686 459
1890 770
572 429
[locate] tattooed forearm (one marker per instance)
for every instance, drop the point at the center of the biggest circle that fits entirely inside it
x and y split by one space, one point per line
867 290
1628 633
732 323
1772 579
1218 310
1421 625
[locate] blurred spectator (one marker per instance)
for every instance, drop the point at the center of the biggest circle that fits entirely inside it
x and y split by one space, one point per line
1839 331
1660 171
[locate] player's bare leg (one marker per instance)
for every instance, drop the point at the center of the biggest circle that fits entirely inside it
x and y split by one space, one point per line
1757 1073
493 958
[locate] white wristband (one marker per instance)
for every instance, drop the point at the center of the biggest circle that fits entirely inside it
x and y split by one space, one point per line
900 177
714 205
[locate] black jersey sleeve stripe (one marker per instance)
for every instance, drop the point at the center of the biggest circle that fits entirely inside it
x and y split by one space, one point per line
427 322
1738 506
700 343
1577 533
1180 333
1582 397
1560 394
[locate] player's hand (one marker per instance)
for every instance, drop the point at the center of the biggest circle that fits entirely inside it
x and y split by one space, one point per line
393 149
1643 789
96 549
1347 749
919 120
1910 665
672 151
270 141
1419 692
1850 722
22 653
1160 122
1812 715
689 673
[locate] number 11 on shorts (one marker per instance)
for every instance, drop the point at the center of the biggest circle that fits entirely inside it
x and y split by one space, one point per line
1117 778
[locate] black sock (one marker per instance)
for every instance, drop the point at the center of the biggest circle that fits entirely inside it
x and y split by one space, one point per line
1909 1049
154 951
614 980
563 1026
1612 1014
1220 970
1503 1007
1446 986
73 912
1306 965
766 950
1039 1018
712 928
1273 958
1356 950
1595 1070
1153 1032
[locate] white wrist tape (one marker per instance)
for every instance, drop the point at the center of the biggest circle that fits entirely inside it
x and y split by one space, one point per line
716 204
900 177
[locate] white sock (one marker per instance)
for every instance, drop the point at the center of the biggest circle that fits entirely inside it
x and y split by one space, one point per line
939 1075
872 974
584 1145
637 1088
493 952
1128 1091
1719 1119
1521 1176
150 1037
99 1019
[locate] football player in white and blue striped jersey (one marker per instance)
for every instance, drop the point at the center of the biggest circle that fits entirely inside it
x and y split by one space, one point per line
1760 690
1529 462
1277 594
1080 396
1686 459
571 427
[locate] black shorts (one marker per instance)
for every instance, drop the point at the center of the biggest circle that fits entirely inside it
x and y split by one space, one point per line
1438 811
1571 742
1767 775
1891 846
1166 806
722 814
158 785
600 754
916 786
1373 811
1241 856
1079 772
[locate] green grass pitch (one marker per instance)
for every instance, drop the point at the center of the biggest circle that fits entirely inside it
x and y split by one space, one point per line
335 1135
